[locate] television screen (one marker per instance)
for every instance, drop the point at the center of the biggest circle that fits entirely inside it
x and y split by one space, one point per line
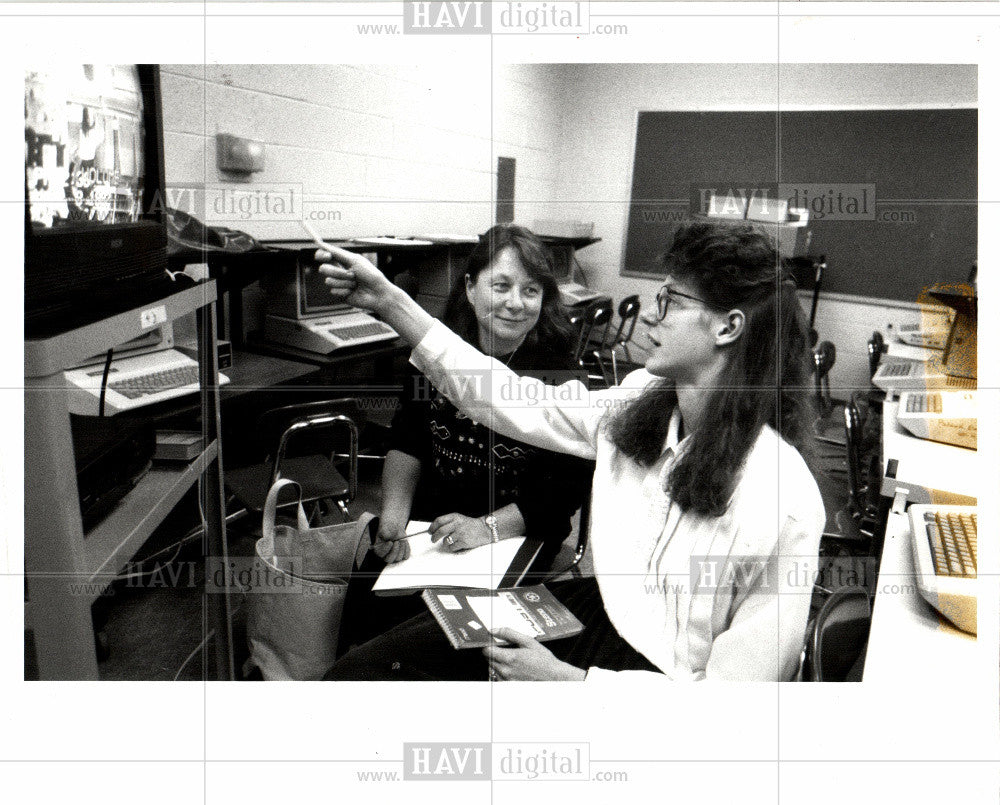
83 145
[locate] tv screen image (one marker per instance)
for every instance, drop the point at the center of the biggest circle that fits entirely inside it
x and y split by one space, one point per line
93 193
83 143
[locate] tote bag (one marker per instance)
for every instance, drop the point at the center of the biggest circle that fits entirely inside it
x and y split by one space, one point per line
296 598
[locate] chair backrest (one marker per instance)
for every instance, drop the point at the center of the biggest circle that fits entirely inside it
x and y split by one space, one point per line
808 272
597 315
852 432
824 357
840 635
876 346
280 427
582 536
863 466
628 315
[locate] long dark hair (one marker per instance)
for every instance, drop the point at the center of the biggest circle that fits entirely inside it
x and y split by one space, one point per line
765 380
552 332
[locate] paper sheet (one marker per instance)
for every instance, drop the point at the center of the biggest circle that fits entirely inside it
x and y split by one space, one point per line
432 565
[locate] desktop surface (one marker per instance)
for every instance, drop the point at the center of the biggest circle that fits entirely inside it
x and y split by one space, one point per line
909 639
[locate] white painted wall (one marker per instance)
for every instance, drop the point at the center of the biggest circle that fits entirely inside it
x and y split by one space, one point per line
600 103
405 150
376 144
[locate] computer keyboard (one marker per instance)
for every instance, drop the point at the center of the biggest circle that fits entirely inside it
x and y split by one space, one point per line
923 404
325 334
360 331
134 382
952 537
944 542
899 369
155 382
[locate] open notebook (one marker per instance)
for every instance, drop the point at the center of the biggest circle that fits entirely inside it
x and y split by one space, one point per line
489 567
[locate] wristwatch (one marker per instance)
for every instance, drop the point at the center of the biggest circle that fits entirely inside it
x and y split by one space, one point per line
491 524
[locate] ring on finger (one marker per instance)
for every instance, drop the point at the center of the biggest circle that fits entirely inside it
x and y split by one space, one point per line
449 540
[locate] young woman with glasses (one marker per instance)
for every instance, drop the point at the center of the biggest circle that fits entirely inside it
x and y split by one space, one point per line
705 520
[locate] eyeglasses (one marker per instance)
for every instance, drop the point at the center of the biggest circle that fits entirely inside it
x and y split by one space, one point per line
667 293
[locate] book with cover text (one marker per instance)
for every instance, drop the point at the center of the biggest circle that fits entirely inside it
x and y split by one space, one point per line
468 617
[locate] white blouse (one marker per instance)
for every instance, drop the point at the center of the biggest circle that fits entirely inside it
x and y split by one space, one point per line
700 597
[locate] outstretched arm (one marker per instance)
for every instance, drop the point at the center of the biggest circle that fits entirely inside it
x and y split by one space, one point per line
565 418
352 278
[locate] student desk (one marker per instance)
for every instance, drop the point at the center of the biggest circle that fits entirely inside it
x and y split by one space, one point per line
909 641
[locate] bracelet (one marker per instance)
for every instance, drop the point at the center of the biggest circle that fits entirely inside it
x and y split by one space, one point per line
491 525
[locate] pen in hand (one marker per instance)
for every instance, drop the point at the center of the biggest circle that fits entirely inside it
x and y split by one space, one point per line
315 237
374 538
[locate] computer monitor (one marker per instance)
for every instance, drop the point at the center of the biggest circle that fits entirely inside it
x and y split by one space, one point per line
296 290
953 368
94 221
959 358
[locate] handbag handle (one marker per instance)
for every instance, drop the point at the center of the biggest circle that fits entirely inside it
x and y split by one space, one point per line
271 508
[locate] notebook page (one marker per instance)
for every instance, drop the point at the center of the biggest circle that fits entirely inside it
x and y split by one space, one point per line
433 565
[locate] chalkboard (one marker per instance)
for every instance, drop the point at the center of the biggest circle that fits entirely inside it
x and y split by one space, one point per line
918 224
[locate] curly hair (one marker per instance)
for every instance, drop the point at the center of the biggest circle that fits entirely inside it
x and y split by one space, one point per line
765 379
552 332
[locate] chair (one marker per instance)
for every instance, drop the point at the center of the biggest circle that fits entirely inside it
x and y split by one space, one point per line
293 436
857 522
628 315
876 348
824 357
582 540
808 272
863 481
595 321
837 638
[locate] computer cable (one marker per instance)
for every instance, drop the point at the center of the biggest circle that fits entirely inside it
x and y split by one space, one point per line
191 535
104 382
203 643
194 651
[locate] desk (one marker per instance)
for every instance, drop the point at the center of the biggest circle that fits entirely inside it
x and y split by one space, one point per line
376 351
252 372
909 640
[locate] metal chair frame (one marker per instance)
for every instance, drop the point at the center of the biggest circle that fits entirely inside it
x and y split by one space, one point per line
628 316
597 315
824 357
320 415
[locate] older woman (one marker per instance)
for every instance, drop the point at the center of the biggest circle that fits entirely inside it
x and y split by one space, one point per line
453 470
704 513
